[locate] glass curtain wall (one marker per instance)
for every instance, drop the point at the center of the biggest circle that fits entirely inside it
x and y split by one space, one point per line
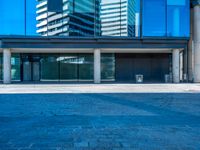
178 14
12 17
154 18
77 18
93 18
166 18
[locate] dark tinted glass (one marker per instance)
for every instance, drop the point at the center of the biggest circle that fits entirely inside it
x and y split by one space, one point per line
86 68
108 67
68 67
16 67
50 67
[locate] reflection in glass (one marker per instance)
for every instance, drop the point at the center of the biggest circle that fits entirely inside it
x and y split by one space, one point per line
12 17
177 25
108 67
120 17
86 62
154 18
31 22
89 18
68 66
93 18
16 67
49 67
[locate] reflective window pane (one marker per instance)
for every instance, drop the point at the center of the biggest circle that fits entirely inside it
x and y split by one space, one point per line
16 67
154 18
12 17
68 66
49 67
31 20
108 67
86 67
178 18
120 17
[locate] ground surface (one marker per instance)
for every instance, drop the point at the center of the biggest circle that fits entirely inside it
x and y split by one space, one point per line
100 117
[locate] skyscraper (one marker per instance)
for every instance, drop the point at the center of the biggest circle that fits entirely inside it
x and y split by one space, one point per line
73 19
119 18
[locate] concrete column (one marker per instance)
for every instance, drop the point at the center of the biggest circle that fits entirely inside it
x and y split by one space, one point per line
97 66
6 66
176 66
197 44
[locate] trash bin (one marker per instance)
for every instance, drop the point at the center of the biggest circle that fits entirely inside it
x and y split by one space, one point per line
139 78
167 78
185 77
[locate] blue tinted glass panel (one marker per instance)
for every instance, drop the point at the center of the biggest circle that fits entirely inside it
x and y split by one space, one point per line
178 22
31 22
12 17
154 18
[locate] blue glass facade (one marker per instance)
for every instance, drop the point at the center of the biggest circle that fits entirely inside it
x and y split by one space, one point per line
166 18
125 18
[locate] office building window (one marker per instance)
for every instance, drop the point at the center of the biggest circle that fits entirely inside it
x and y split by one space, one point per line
154 18
12 17
178 14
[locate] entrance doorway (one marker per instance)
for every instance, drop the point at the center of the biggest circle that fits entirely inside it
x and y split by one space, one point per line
30 68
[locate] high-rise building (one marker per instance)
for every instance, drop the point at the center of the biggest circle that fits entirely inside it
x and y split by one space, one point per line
119 18
72 19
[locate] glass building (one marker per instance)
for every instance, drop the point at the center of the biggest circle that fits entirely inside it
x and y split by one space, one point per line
94 40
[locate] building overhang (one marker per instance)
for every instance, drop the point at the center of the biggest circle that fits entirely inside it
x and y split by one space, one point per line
91 43
194 2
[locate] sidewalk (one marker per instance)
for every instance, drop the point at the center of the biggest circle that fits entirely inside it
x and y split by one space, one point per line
100 88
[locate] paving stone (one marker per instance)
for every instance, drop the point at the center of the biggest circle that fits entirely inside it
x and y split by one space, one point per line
101 121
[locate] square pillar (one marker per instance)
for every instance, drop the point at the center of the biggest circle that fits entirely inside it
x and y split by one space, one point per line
176 66
97 66
196 37
6 66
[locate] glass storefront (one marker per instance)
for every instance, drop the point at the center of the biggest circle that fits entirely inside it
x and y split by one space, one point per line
50 67
60 67
16 67
108 67
69 67
86 66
